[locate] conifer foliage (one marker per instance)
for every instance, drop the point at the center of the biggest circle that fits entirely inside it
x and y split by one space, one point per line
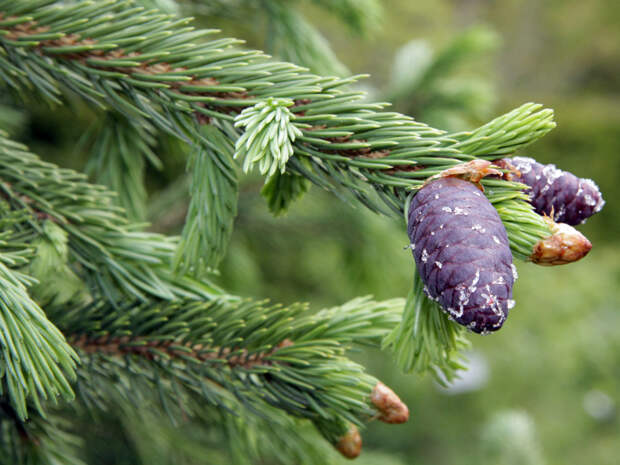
98 314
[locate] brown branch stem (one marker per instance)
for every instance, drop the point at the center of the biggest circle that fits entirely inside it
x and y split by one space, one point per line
150 350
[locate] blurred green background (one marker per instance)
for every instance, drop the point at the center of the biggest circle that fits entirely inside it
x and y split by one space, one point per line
546 388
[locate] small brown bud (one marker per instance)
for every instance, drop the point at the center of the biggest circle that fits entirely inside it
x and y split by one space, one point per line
565 245
391 408
350 445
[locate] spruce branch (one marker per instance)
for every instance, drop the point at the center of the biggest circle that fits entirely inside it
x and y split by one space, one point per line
213 204
132 308
118 159
130 302
214 351
339 141
179 82
38 362
114 256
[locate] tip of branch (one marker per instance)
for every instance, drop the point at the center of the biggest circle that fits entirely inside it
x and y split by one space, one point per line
565 245
350 445
391 408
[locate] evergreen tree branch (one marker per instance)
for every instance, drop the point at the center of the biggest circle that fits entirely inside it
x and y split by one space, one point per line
38 363
114 256
213 205
120 151
346 145
112 327
130 302
196 352
179 82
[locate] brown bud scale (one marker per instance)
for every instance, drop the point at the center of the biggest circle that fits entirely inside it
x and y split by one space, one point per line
350 445
565 245
391 408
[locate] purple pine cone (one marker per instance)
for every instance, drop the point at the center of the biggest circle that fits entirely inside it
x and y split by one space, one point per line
461 251
572 200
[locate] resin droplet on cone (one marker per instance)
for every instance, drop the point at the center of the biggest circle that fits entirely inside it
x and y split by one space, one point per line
462 253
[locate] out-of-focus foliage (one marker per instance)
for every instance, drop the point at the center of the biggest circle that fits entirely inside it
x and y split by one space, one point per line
449 88
281 28
509 438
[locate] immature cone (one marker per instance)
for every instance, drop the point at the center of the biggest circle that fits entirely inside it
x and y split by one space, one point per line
565 245
559 194
350 445
461 251
391 408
